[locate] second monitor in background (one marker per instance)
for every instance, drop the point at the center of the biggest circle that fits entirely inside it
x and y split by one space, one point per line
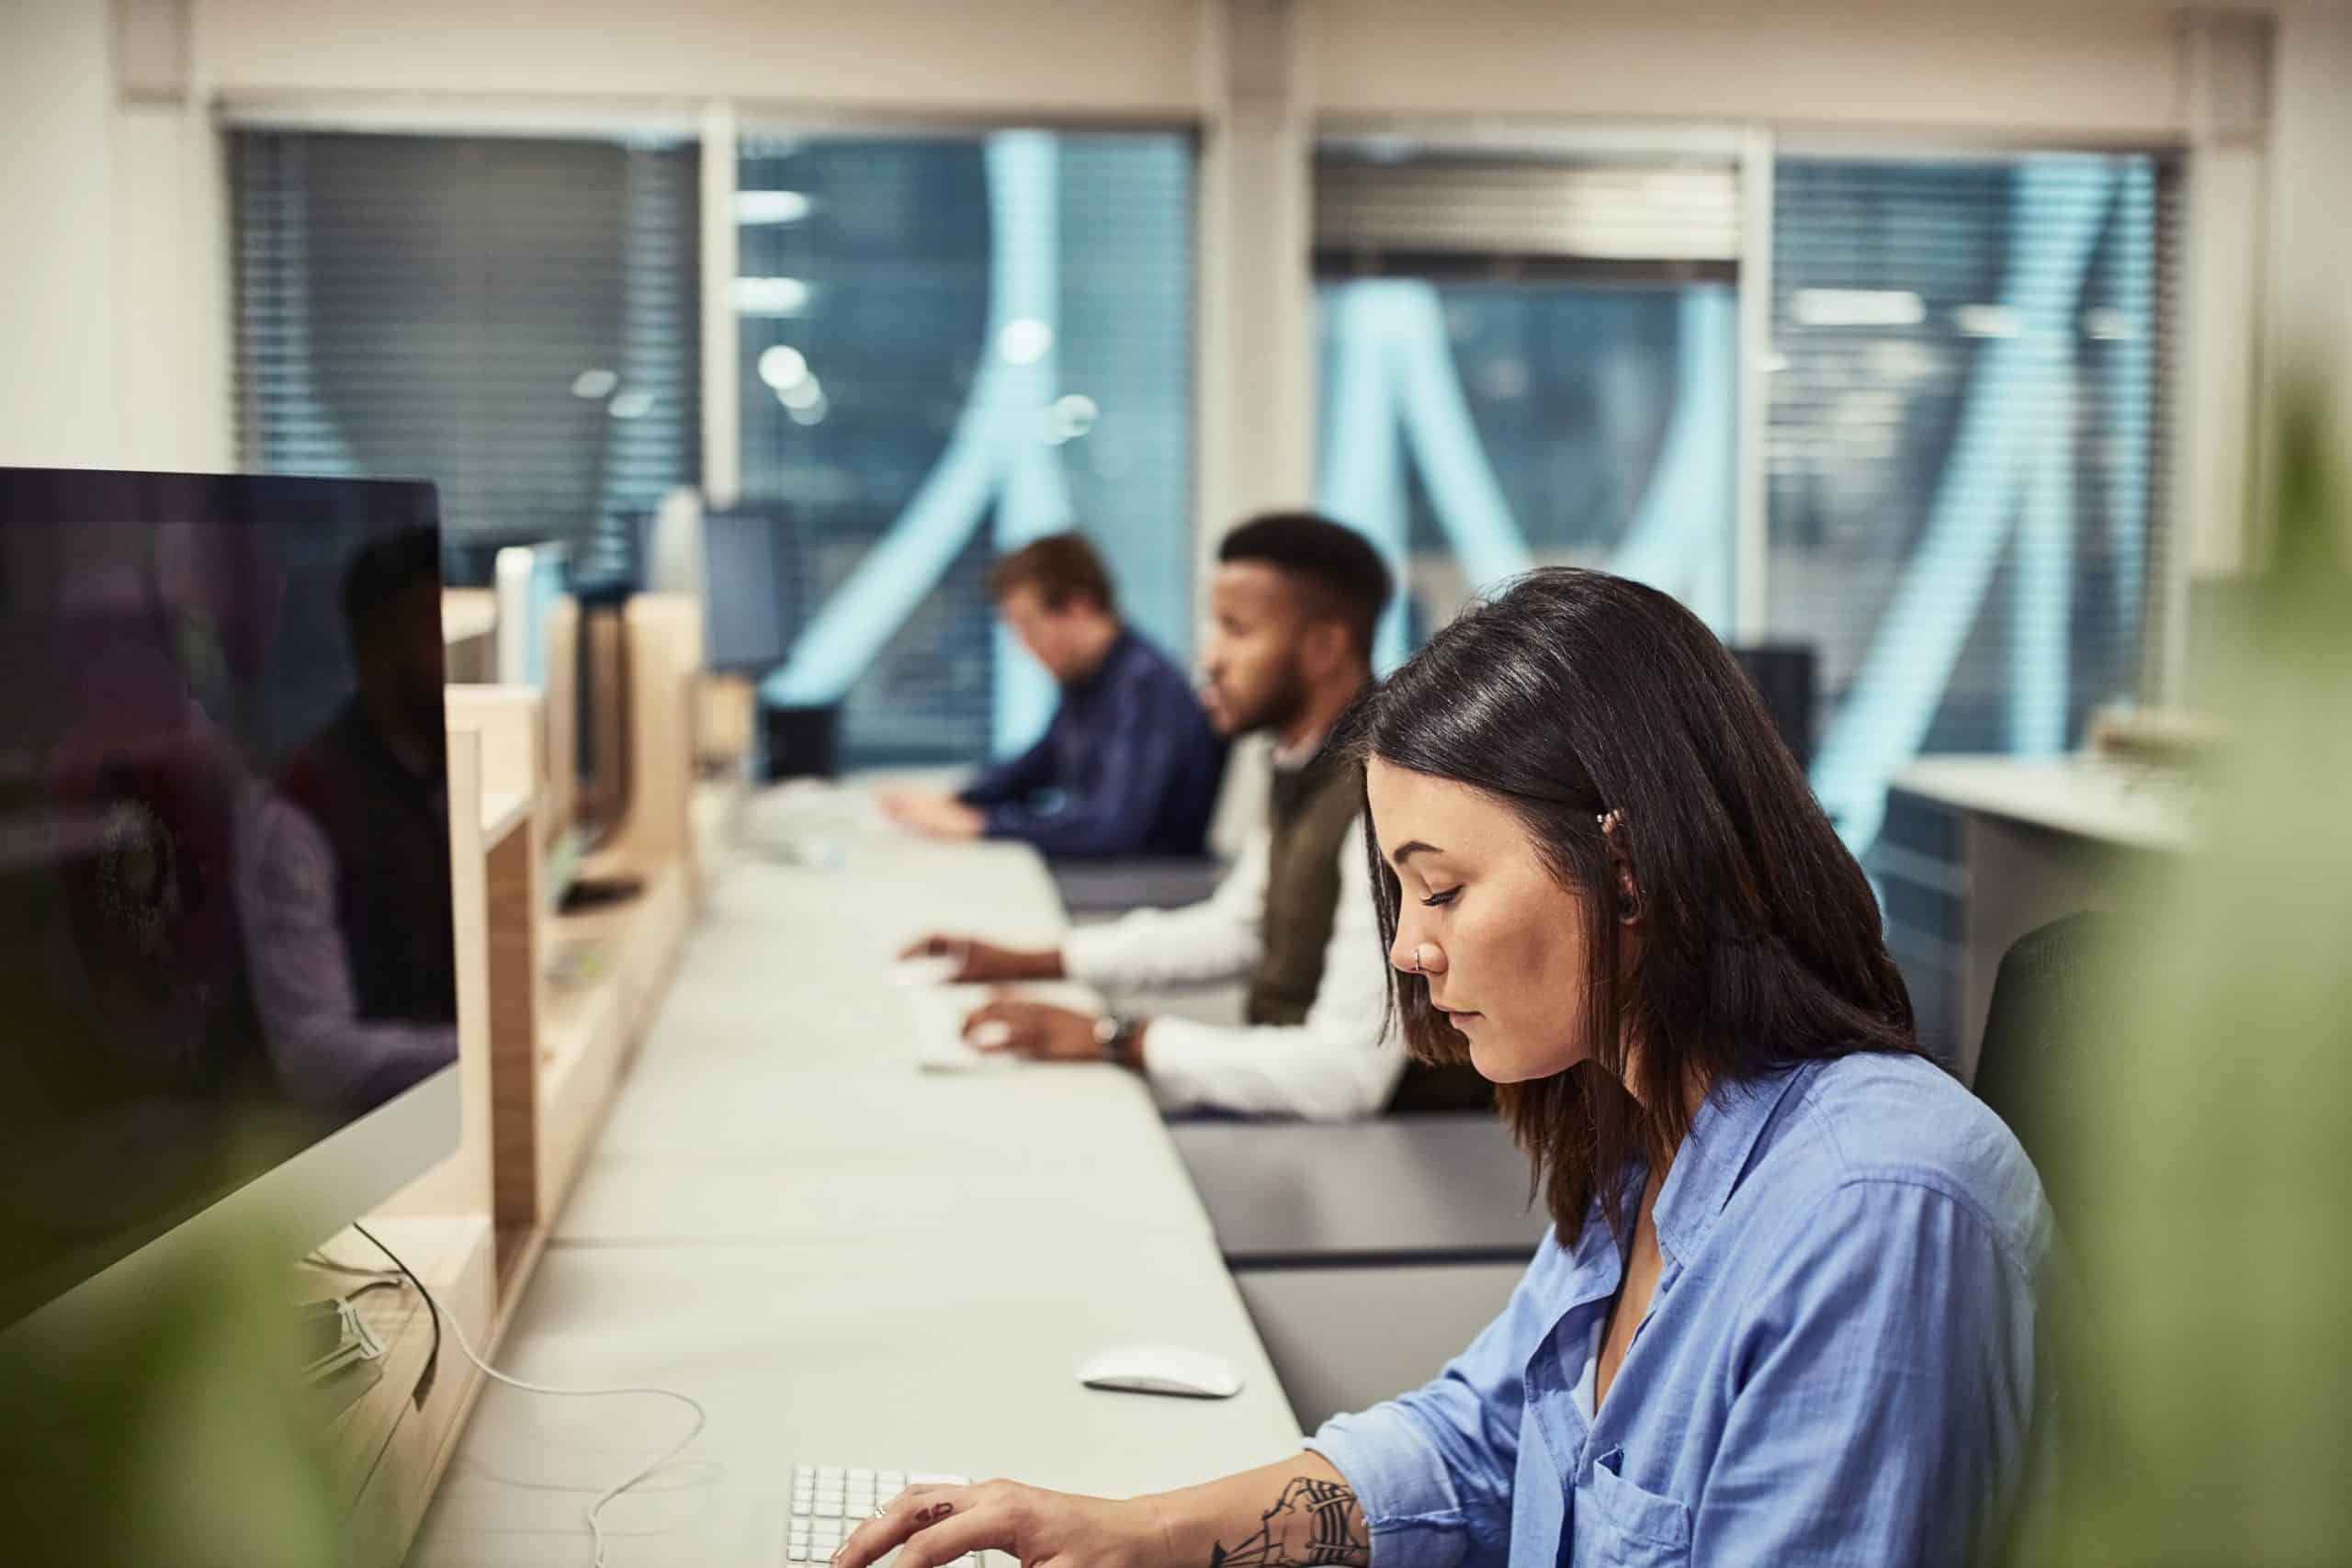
530 580
734 565
745 609
539 647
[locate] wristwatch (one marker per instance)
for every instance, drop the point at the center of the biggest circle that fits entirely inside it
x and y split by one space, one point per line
1117 1036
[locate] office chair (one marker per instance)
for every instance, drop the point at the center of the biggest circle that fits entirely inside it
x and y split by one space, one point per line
2044 1069
2041 1034
1786 676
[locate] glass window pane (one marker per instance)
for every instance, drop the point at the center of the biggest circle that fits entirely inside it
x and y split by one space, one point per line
1962 452
1478 428
513 318
948 345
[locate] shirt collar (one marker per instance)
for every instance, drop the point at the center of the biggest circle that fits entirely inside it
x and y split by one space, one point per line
1715 1155
1293 759
1094 679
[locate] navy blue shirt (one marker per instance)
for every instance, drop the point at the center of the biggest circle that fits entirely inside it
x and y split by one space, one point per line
1129 765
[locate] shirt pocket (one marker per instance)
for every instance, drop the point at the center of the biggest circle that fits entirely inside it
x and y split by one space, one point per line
1633 1529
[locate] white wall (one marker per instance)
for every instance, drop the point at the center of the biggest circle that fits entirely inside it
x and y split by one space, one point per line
2096 68
118 289
2105 71
1047 58
2310 182
57 224
171 383
1255 362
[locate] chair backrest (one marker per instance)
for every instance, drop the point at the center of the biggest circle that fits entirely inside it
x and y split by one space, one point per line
2047 1069
2036 1069
1785 676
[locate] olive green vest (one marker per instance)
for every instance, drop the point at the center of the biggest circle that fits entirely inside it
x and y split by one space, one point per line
1312 811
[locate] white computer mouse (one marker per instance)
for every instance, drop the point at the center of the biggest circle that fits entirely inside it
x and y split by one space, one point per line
1161 1369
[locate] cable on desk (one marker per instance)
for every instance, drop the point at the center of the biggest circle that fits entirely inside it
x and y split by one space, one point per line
595 1509
383 1279
321 1260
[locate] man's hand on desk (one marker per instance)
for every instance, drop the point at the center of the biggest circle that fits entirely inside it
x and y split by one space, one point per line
936 816
985 963
1043 1032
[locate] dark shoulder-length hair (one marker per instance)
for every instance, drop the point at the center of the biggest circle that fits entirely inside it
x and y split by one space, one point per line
1573 695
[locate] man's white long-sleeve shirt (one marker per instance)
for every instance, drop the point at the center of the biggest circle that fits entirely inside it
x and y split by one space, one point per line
1337 1065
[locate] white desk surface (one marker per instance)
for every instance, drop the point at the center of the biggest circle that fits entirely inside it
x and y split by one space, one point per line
848 1262
2089 797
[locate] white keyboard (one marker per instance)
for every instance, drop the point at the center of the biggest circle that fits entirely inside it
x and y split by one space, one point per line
829 1501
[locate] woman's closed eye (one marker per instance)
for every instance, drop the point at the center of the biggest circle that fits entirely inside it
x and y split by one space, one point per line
1437 900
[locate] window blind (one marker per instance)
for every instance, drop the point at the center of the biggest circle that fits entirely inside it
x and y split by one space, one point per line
513 319
880 276
1440 211
1529 360
1966 448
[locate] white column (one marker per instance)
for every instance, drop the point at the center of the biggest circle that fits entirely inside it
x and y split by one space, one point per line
721 423
174 378
2311 229
57 403
1255 376
2218 328
1751 553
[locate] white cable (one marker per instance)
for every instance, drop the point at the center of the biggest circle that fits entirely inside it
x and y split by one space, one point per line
595 1509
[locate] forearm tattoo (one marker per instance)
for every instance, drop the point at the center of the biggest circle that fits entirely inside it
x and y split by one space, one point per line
1311 1525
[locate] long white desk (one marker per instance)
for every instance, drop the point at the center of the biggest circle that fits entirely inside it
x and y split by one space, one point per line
845 1261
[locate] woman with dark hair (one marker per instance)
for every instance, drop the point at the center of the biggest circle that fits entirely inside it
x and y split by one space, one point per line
1787 1313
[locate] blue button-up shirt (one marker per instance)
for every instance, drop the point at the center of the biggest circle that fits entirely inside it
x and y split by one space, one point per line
1129 765
1839 1365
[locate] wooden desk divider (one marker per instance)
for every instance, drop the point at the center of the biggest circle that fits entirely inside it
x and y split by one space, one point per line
510 721
560 801
538 1062
726 713
468 635
593 1026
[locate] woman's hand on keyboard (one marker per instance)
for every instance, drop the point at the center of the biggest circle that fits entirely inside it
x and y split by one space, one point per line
933 1526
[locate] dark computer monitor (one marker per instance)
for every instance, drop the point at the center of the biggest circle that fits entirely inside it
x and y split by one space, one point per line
739 569
226 947
1785 676
743 608
603 791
